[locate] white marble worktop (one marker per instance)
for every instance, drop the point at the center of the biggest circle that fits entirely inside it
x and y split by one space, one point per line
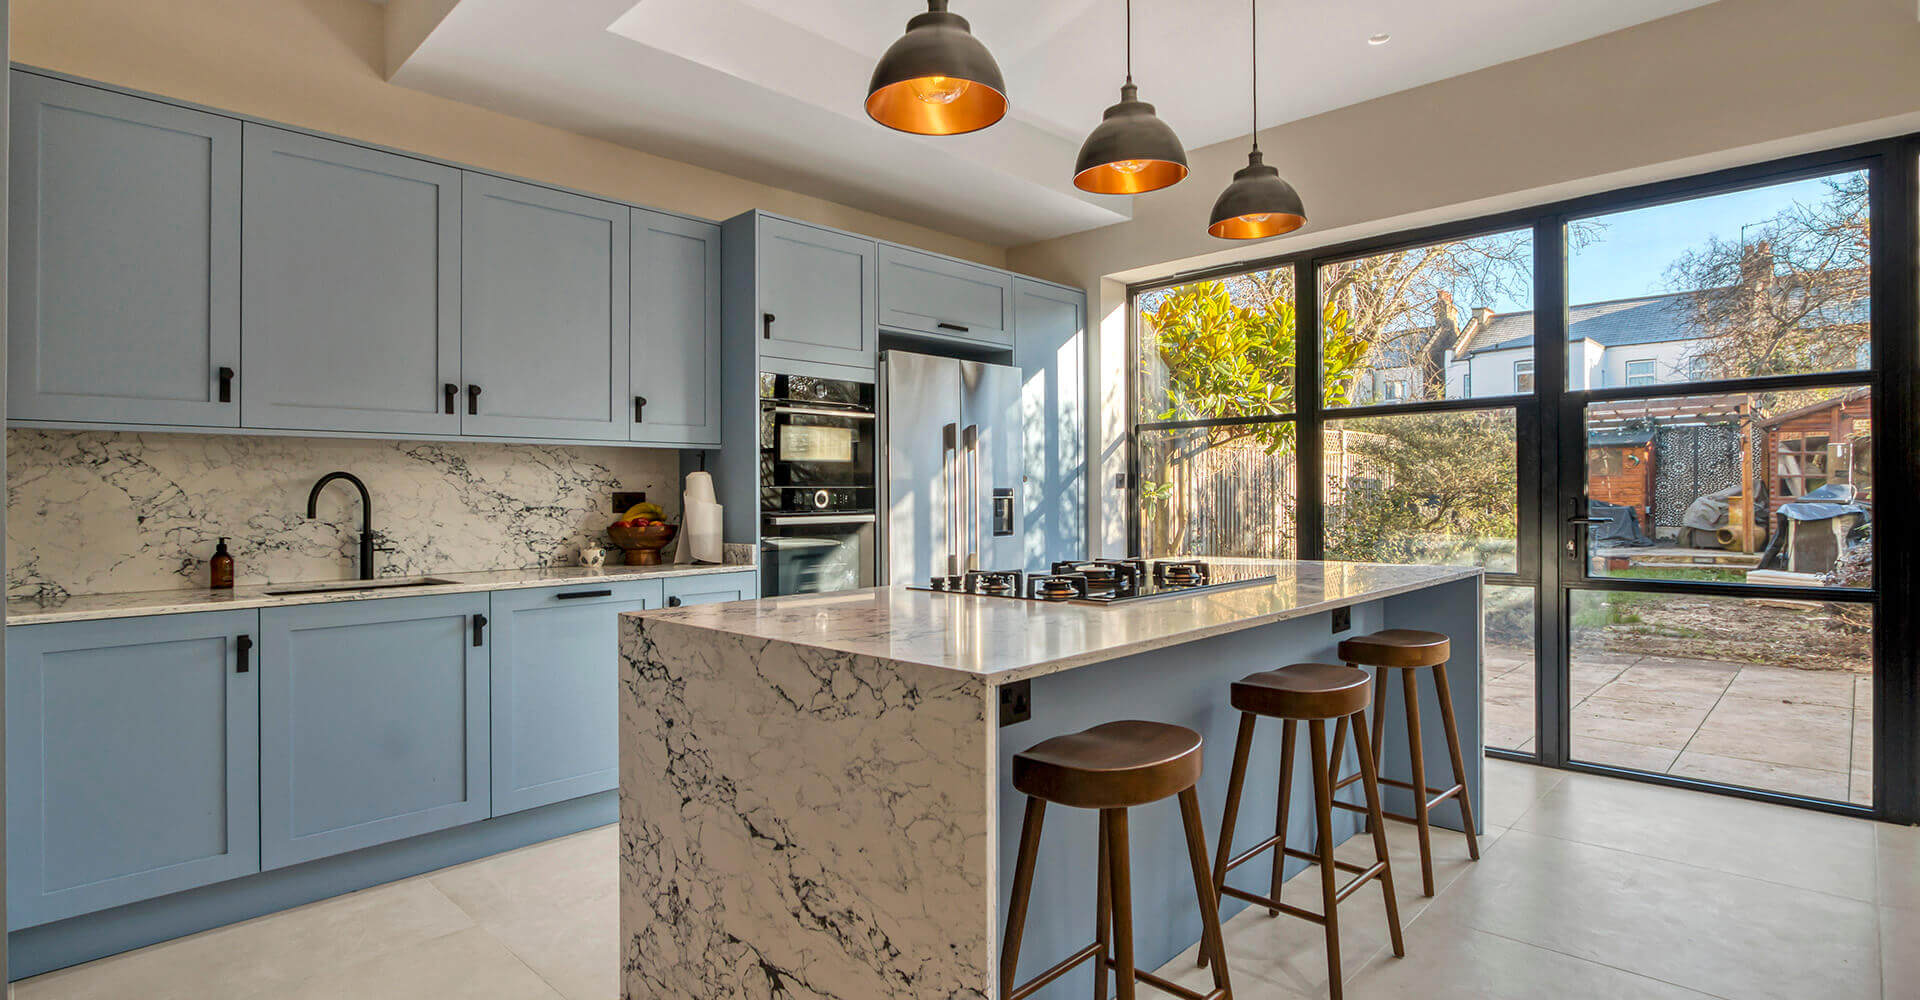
33 611
1005 640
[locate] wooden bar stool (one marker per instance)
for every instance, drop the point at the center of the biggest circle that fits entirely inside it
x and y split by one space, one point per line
1409 651
1111 767
1312 693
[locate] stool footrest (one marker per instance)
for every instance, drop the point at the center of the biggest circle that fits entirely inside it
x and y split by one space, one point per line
1066 965
1274 904
1439 795
1253 852
1174 989
1345 866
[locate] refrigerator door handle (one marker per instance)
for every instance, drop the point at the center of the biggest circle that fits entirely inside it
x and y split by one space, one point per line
950 481
971 436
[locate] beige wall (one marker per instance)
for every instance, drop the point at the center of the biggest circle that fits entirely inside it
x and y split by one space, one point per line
1733 82
319 64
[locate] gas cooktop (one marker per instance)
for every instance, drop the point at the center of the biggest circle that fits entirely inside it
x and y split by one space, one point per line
1103 581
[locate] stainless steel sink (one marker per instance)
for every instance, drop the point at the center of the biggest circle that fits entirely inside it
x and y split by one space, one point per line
351 586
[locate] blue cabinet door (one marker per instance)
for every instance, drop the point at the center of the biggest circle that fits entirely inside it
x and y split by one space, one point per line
711 588
946 298
351 277
674 359
818 299
374 723
132 760
124 267
543 343
556 707
1050 349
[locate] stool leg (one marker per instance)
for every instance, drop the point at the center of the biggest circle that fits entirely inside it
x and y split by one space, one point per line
1210 937
1122 903
1103 915
1379 716
1022 889
1453 750
1323 814
1288 730
1371 779
1418 757
1236 782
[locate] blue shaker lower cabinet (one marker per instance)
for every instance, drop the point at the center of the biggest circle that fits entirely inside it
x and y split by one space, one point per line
132 760
556 708
374 723
712 588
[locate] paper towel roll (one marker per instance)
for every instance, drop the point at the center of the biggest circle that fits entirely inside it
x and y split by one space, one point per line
701 533
699 487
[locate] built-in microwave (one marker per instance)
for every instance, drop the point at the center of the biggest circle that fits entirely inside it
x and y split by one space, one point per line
817 445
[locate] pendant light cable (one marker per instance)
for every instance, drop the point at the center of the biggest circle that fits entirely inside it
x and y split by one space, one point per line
1255 34
1129 41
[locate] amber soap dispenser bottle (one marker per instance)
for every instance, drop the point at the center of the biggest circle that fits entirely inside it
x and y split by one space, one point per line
222 567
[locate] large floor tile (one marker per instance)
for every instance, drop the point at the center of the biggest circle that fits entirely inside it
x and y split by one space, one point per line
554 905
1807 781
1695 927
1830 853
1772 731
1445 961
1899 958
468 964
1513 788
1899 865
266 956
1589 673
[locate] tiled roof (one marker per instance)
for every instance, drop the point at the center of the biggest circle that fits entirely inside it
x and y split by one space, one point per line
1649 319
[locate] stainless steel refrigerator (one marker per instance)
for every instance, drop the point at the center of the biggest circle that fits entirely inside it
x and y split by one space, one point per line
950 467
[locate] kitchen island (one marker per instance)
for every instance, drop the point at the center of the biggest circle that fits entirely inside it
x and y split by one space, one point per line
814 800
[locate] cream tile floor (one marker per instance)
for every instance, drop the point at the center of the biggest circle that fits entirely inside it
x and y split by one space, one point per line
1589 889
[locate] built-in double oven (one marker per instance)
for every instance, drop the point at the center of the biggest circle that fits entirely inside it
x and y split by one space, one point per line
817 465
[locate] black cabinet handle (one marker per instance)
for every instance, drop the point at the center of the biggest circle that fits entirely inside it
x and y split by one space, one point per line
673 602
479 630
452 392
243 648
952 326
766 326
578 594
473 400
639 408
226 384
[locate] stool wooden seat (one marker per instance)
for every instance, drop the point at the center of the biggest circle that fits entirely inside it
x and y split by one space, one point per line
1313 693
1111 767
1411 651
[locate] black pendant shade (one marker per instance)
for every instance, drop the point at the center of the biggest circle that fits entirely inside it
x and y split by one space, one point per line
1257 204
937 79
1131 151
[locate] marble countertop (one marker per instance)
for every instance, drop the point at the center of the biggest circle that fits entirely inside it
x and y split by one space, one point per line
1006 640
173 602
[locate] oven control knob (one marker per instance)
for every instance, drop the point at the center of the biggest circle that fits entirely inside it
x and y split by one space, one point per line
821 499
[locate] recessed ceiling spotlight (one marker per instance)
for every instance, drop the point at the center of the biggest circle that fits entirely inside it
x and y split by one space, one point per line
1379 39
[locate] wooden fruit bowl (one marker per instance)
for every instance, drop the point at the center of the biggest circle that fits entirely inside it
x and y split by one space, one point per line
643 545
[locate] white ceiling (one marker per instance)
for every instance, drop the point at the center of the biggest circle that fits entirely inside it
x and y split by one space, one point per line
771 90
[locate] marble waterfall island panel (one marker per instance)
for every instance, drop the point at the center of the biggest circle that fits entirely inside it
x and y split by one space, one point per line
93 512
800 823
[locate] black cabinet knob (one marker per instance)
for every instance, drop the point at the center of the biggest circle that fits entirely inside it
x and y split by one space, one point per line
639 408
673 602
243 653
452 393
473 400
766 326
226 384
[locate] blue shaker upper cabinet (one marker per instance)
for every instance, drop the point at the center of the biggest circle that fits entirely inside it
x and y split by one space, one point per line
124 259
132 760
950 299
556 690
674 359
351 281
373 723
544 303
818 294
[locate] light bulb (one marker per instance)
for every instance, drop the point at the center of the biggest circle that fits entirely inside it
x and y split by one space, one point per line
1129 166
939 89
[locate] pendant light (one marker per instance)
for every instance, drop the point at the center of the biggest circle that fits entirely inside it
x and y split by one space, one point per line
937 79
1131 151
1258 203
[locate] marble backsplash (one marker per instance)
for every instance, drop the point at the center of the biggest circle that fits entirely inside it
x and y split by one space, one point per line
92 512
